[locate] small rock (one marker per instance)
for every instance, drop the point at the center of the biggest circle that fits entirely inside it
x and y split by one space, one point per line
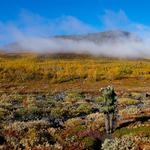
40 97
59 96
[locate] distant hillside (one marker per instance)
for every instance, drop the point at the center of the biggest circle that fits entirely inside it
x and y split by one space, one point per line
100 37
97 38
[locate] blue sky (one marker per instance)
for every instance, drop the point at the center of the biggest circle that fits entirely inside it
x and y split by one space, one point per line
26 18
86 10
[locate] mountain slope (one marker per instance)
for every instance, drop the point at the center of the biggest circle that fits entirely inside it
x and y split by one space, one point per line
101 37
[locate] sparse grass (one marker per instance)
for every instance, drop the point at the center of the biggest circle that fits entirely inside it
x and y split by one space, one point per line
145 131
128 101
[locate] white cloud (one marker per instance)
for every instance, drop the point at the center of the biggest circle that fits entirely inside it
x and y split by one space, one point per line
115 20
119 20
30 24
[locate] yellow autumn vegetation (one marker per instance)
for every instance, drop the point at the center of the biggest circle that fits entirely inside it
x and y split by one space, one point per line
33 67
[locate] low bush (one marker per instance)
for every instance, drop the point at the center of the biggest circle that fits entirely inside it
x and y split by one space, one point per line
128 101
127 142
83 109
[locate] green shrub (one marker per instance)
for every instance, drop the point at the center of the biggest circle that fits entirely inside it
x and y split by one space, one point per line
26 113
99 99
89 142
73 96
84 108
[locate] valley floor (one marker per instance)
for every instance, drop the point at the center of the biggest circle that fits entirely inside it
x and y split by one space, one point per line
55 104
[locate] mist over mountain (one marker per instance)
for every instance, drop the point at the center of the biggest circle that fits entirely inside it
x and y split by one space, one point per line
109 43
97 38
94 43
